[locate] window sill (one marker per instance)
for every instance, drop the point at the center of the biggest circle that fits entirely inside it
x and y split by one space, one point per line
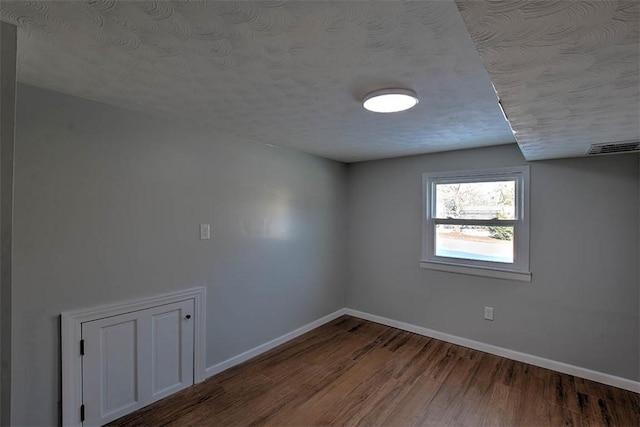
477 271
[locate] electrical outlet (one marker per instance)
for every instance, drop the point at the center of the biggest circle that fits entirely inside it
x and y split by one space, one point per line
488 313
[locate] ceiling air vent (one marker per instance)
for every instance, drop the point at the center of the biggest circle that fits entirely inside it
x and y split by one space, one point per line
614 147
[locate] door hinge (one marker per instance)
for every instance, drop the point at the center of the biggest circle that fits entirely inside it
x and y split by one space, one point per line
82 412
81 347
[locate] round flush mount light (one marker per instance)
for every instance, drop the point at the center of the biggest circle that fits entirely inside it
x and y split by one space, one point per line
390 100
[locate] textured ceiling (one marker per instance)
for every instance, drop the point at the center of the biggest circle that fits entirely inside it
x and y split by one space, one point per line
290 74
566 71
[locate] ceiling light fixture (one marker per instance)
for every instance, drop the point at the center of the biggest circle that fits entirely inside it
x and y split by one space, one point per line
390 100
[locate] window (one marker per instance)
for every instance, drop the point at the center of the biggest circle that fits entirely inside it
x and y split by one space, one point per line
477 222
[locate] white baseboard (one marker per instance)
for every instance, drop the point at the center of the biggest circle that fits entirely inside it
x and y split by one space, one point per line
577 371
600 377
243 357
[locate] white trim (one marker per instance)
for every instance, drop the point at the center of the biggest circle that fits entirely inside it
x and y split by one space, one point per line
477 271
71 333
521 260
577 371
491 174
249 354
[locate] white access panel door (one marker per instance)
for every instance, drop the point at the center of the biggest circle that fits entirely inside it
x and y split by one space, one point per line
133 359
171 348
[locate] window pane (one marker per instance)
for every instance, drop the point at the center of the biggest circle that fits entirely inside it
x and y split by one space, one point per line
476 200
480 243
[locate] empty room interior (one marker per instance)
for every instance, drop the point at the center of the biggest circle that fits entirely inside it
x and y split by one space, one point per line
320 212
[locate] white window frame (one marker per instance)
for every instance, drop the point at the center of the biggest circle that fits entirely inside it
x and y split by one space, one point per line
519 269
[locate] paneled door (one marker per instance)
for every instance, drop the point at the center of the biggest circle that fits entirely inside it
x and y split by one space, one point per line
133 359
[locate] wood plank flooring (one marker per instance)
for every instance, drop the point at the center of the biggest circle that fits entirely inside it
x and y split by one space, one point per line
353 372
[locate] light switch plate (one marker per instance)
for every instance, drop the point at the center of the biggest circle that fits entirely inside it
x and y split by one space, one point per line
205 231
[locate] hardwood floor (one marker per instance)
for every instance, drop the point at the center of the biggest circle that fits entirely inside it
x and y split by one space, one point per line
354 372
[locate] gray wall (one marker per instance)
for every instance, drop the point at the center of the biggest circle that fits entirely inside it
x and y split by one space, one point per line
107 207
582 306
